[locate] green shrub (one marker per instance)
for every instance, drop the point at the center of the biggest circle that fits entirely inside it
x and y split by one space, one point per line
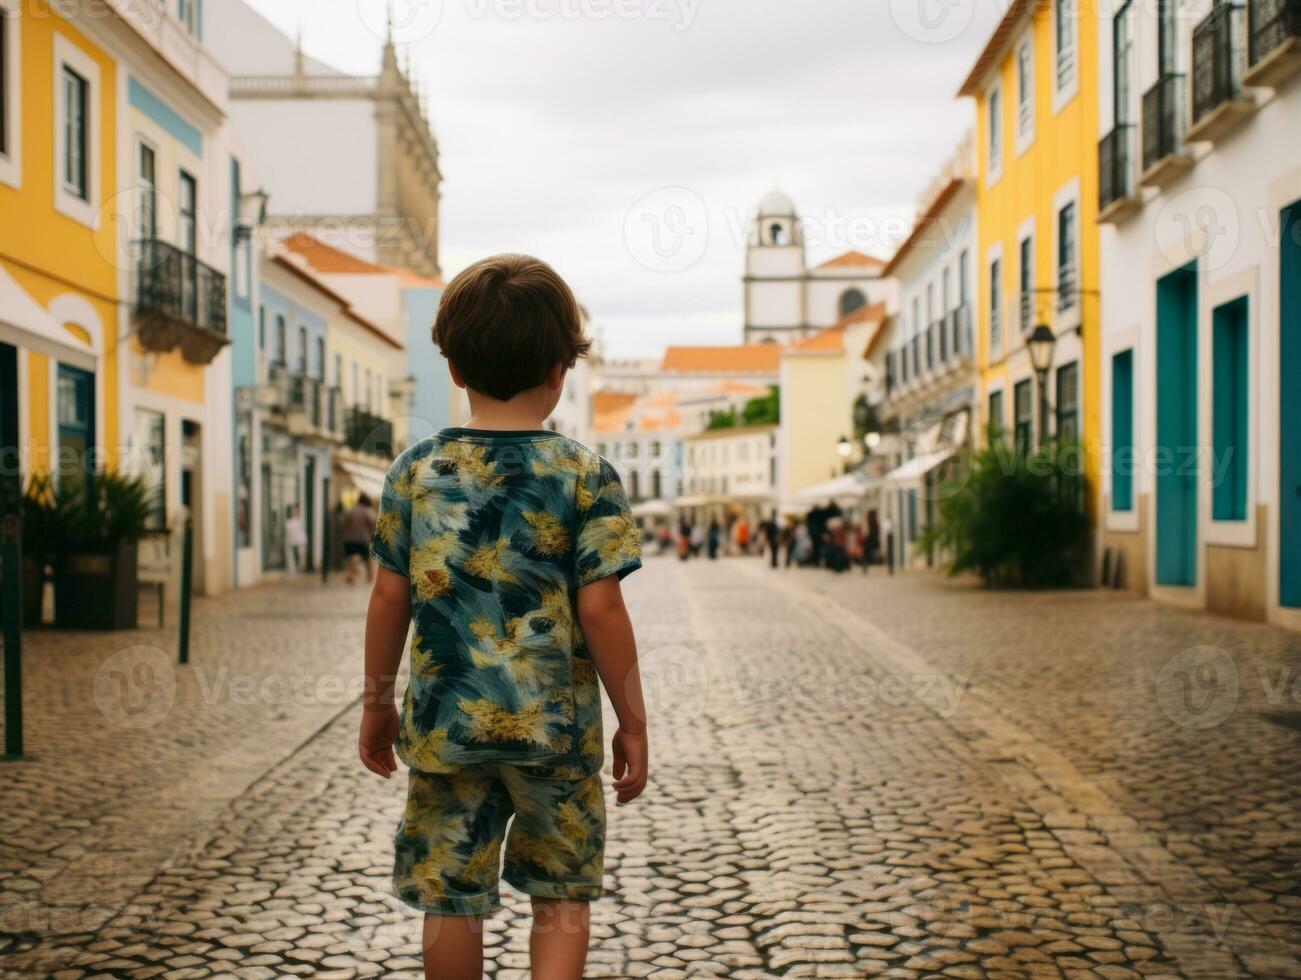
1013 518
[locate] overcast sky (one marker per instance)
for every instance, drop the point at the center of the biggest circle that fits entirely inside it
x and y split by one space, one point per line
628 141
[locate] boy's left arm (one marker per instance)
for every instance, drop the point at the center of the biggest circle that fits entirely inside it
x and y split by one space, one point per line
387 621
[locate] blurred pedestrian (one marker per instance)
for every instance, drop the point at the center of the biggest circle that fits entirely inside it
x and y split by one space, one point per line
697 540
295 538
772 537
358 530
684 540
872 542
743 536
715 538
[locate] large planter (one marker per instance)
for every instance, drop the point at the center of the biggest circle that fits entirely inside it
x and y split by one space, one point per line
97 589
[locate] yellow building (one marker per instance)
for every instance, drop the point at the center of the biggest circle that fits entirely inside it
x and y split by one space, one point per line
1035 87
117 190
59 283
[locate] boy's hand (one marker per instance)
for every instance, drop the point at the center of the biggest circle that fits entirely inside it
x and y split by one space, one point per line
630 768
379 729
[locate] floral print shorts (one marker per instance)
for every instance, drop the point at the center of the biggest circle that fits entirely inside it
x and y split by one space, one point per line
449 844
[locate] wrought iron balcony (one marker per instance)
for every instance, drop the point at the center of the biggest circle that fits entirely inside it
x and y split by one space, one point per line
179 302
314 408
1219 58
1273 41
1163 131
366 432
1117 193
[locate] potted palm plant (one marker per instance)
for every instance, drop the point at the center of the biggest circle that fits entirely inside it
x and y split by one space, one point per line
95 583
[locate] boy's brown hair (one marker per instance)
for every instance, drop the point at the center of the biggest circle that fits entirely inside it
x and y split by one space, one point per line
505 322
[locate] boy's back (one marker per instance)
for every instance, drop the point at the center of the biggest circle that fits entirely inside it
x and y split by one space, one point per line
496 531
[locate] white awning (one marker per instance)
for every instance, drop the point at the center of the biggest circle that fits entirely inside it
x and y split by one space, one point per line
913 471
366 479
652 508
841 488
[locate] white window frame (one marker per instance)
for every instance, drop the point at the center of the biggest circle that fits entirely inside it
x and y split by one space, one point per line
1065 89
995 254
67 203
994 164
11 162
1025 103
1026 231
1068 318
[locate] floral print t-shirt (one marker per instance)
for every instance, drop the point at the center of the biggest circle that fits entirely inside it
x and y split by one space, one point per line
497 532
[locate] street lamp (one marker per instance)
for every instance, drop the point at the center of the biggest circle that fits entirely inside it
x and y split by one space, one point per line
1041 342
843 449
252 212
871 440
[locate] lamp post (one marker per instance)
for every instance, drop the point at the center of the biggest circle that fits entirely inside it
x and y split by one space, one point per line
843 449
1041 342
252 213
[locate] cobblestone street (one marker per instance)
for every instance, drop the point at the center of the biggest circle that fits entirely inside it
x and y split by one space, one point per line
851 776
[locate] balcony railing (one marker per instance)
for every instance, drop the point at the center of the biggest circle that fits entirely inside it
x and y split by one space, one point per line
1219 57
366 432
1272 24
1116 167
1163 120
179 301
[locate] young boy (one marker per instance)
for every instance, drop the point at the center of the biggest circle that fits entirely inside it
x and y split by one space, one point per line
504 543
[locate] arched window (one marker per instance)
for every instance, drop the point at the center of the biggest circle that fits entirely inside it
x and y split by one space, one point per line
777 233
851 300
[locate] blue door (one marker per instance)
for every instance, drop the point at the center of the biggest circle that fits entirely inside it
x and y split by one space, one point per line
1176 427
1289 450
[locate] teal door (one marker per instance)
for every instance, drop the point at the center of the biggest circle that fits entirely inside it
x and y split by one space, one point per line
1176 427
1289 449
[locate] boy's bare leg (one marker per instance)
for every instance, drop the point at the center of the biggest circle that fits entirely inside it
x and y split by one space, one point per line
453 947
558 943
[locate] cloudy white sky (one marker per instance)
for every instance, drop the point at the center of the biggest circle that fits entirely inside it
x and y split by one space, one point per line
578 129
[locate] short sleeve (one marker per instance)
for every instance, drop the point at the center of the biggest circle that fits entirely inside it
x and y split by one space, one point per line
391 543
608 542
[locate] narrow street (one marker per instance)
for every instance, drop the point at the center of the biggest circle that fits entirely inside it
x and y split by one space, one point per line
850 777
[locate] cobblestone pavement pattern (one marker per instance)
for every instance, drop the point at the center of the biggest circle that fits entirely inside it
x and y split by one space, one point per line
850 777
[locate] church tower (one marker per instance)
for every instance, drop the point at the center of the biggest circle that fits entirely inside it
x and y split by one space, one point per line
775 274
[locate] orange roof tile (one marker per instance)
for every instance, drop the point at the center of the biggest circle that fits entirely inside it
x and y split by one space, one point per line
611 401
853 260
830 339
409 278
306 276
327 258
741 359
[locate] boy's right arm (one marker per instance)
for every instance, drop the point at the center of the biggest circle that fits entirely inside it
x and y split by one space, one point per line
608 633
387 620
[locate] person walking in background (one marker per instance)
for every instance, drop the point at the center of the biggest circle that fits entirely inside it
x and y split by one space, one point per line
772 537
295 539
697 539
743 536
358 530
715 538
788 541
872 541
887 536
684 540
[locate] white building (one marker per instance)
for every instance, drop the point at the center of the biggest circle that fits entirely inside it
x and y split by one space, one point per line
350 158
1200 196
931 377
732 470
785 300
